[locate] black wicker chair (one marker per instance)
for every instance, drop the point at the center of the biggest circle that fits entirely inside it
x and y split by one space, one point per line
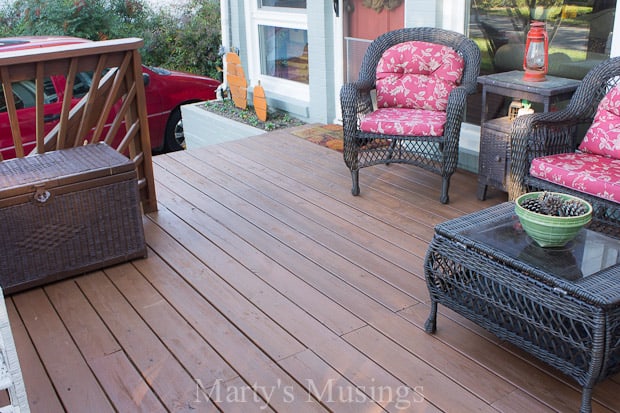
550 133
438 154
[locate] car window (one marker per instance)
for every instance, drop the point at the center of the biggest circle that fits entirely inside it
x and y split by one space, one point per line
24 94
49 91
82 84
19 104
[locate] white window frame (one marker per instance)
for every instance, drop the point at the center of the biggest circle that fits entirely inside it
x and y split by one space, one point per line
279 17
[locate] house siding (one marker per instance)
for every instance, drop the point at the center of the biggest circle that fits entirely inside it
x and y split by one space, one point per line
324 91
321 60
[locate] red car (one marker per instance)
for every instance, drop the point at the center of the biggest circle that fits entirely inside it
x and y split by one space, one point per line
165 90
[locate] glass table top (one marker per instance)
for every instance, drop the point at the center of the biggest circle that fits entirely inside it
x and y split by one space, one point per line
587 254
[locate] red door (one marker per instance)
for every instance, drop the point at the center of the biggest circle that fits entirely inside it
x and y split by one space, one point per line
364 21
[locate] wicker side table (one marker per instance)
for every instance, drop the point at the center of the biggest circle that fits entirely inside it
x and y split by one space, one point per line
561 305
494 158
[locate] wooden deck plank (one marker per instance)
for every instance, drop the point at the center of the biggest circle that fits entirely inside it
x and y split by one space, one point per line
546 384
519 402
316 223
40 389
485 384
330 313
173 385
236 396
334 183
124 386
314 337
439 389
347 243
257 367
73 380
392 184
192 350
226 184
236 216
269 287
221 292
298 323
327 385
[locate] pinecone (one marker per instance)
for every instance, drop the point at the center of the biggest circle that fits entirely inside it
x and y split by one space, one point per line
572 208
532 204
550 203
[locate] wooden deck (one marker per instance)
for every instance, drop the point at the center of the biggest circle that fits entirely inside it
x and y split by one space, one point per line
268 287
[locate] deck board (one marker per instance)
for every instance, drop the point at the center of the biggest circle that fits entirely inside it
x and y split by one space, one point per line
269 287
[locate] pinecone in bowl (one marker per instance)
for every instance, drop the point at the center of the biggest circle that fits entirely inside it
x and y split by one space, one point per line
552 219
551 203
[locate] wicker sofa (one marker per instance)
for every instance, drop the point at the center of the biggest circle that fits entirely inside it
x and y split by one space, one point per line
548 152
415 122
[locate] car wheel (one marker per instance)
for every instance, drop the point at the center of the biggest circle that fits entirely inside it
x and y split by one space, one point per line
175 138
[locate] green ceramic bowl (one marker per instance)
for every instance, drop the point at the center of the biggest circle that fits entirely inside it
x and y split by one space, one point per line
547 230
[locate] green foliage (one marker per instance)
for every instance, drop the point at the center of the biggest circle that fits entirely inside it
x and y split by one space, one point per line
186 38
227 109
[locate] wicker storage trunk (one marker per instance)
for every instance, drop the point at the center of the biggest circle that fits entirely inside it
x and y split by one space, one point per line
67 212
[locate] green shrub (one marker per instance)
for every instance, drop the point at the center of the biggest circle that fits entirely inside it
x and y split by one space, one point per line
186 40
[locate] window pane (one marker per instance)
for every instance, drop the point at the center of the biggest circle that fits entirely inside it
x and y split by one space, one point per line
293 4
580 34
284 53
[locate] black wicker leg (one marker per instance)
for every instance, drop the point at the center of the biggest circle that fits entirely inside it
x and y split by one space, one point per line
445 184
482 191
390 153
355 176
586 400
431 323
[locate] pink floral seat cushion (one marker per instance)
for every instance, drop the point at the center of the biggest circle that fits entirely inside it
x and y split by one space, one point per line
404 122
585 172
418 75
603 136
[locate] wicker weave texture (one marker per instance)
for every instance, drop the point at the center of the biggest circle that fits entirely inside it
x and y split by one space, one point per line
61 166
82 225
495 159
574 327
436 154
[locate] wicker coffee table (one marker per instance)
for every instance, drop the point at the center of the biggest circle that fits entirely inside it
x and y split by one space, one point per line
560 304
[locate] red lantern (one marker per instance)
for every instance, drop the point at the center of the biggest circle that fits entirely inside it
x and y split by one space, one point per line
536 57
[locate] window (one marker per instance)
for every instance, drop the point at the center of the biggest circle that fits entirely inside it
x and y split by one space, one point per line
284 53
580 34
293 4
278 47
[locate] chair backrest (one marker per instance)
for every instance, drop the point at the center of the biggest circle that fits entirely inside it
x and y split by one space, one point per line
418 75
593 88
465 47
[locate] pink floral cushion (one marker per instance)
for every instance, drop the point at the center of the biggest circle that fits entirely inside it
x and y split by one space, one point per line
418 75
404 122
589 173
603 136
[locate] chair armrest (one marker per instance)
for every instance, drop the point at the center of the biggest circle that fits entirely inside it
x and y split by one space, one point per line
536 135
355 99
455 111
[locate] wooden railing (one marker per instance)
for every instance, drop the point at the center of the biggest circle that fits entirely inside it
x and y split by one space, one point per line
113 111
